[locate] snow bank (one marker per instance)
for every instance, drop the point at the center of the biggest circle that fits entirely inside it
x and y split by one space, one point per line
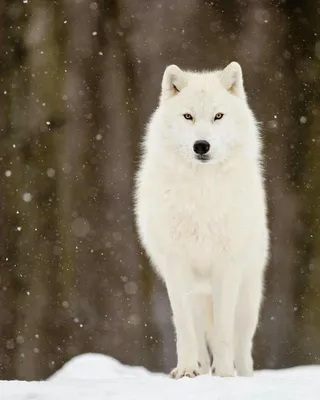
98 377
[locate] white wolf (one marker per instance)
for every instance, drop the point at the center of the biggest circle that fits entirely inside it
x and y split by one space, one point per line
201 214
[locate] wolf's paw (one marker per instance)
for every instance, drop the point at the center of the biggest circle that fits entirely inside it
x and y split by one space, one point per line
190 372
223 369
244 366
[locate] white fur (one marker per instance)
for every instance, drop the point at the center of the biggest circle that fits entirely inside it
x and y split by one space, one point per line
204 225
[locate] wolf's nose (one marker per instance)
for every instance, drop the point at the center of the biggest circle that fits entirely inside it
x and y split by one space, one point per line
201 147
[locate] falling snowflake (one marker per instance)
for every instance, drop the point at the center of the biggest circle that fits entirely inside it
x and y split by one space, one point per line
27 197
51 172
80 227
303 119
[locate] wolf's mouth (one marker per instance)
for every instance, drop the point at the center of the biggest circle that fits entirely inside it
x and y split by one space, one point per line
203 158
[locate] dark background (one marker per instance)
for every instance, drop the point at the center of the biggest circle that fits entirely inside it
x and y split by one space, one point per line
78 80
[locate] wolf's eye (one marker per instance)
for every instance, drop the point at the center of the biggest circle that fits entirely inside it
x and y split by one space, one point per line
188 116
218 116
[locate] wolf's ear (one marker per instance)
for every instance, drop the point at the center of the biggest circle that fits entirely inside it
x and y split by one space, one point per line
231 79
174 79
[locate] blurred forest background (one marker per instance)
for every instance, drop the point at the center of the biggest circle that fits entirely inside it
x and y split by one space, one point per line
78 81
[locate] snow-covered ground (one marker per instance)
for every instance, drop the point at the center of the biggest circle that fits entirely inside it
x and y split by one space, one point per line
98 377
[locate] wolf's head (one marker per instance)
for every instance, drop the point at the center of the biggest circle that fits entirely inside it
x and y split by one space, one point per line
204 117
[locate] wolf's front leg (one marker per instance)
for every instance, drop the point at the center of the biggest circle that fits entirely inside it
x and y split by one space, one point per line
246 321
179 286
226 282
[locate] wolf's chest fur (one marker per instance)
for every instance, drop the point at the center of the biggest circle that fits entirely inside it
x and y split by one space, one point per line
198 216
